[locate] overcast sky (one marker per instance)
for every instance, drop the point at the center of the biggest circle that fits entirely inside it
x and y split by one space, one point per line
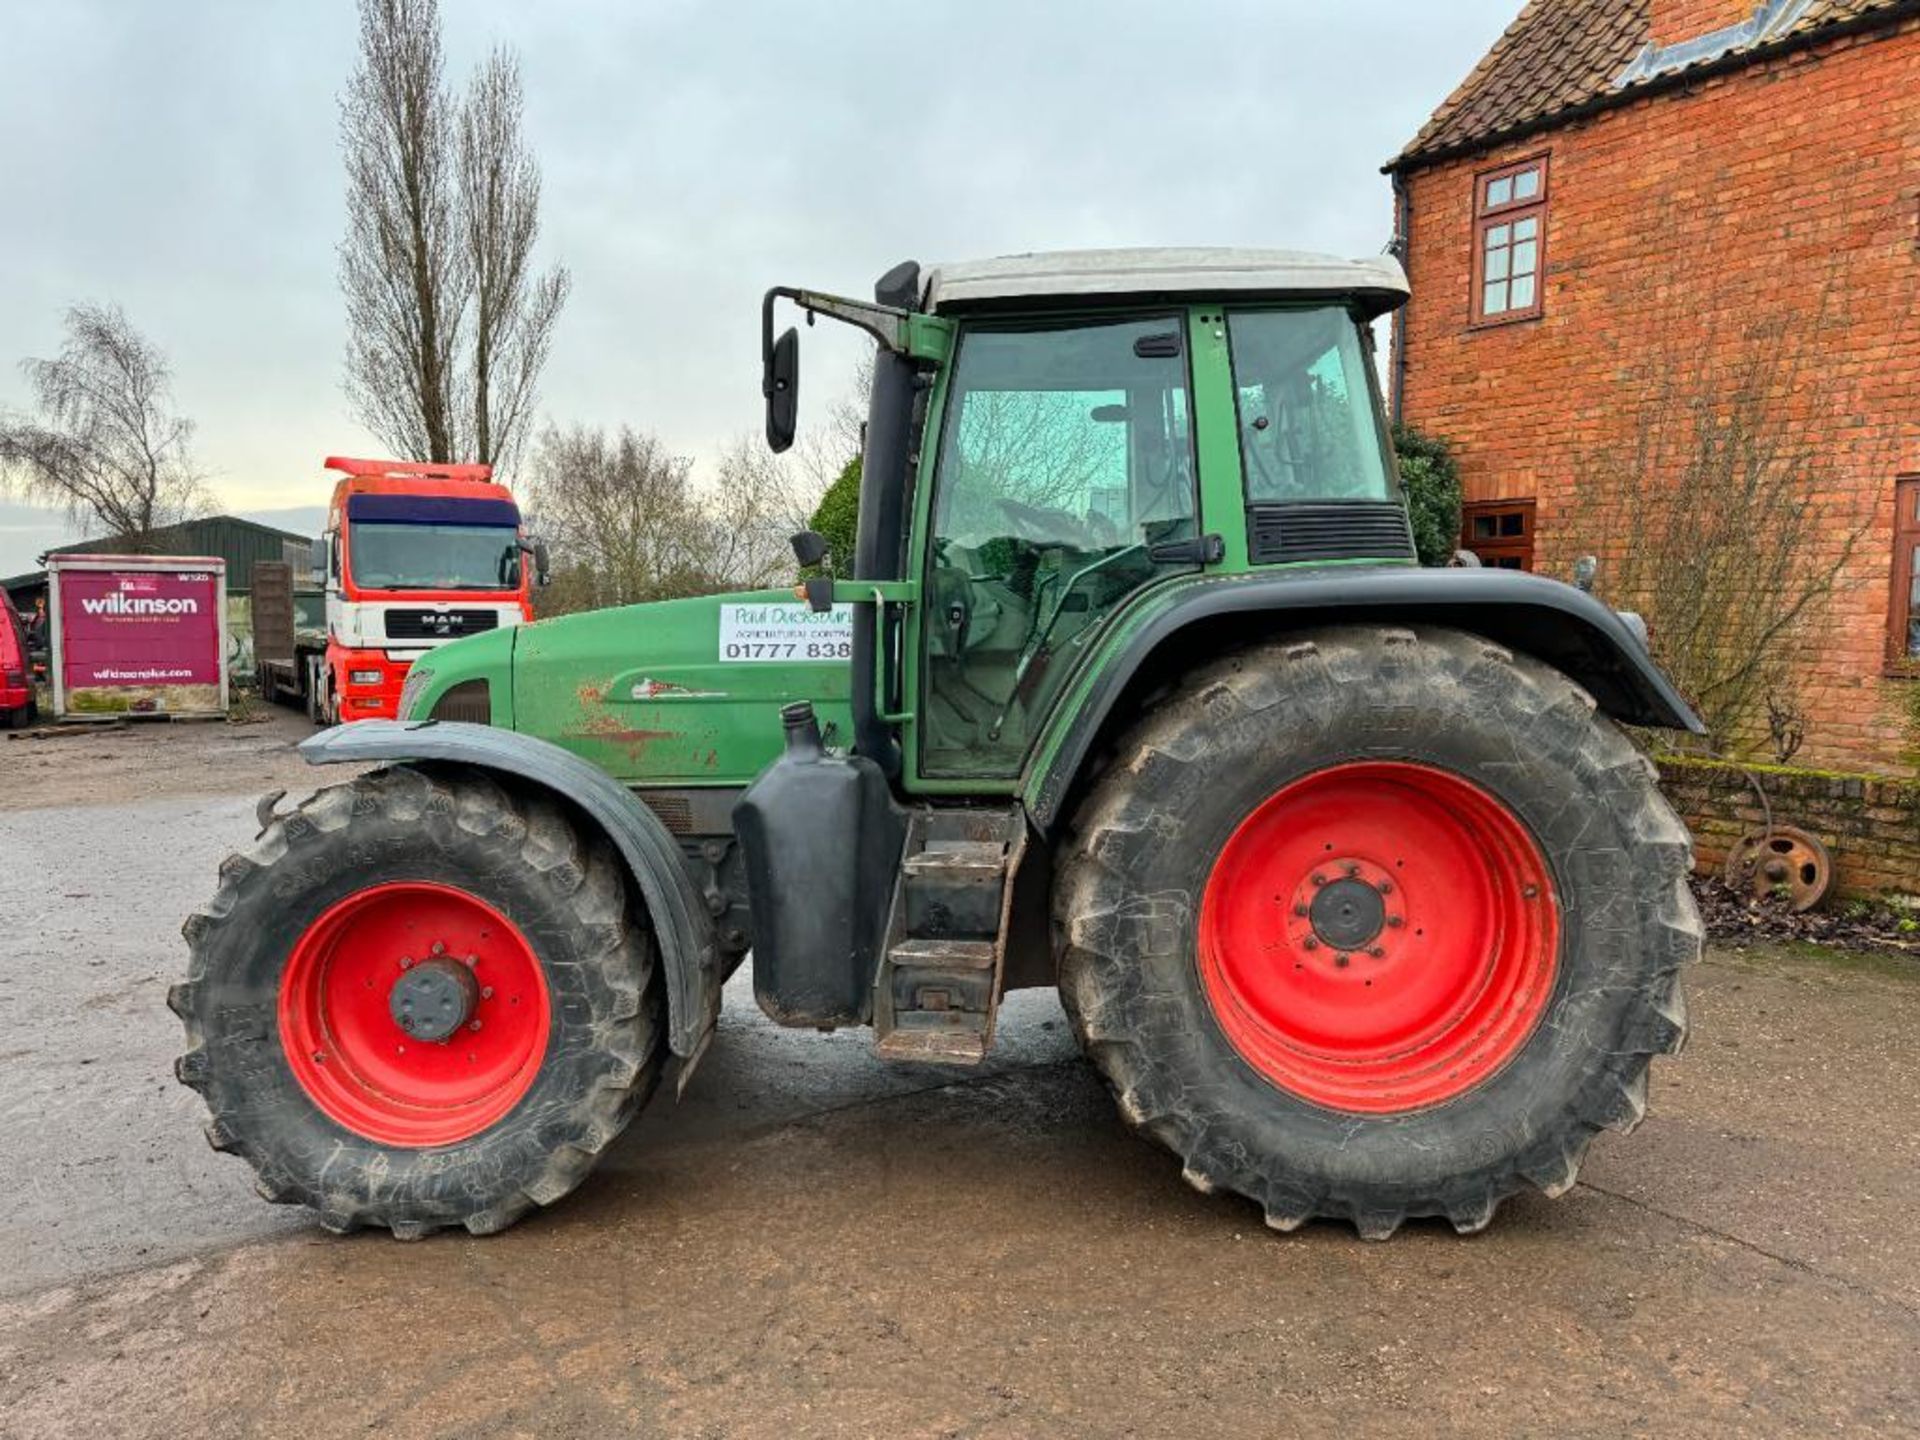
181 159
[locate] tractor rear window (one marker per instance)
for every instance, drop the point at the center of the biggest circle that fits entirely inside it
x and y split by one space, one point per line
1309 426
433 557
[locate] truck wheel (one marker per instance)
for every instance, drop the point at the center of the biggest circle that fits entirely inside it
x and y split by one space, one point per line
420 1000
1372 924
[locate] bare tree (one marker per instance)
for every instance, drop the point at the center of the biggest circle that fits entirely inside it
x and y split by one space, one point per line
754 511
401 267
628 524
615 511
1721 516
514 310
107 446
450 324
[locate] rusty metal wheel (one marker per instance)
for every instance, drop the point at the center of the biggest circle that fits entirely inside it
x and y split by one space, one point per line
1783 861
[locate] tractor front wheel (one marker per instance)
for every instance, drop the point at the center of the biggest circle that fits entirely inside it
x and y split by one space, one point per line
1374 924
420 1000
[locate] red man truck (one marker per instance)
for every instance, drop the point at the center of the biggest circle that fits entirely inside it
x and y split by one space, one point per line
414 555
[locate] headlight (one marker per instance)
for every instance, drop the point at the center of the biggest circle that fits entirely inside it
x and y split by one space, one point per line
363 677
417 679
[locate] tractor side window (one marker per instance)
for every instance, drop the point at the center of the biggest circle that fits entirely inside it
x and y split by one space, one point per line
1067 454
1309 429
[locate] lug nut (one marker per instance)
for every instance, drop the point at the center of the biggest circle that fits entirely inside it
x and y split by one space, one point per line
1319 879
1386 887
1343 959
1378 952
1300 910
472 961
406 962
1309 943
1353 870
1394 922
438 948
486 992
473 1025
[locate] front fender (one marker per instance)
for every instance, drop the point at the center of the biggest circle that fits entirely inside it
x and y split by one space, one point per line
1530 614
682 927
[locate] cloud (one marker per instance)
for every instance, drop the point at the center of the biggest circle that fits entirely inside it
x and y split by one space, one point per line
183 163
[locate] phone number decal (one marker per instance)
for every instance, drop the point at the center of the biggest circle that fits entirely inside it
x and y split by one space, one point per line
772 633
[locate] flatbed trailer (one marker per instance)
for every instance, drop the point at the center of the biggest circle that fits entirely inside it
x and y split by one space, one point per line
289 636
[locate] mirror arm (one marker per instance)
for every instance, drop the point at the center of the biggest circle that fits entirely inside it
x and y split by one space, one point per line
890 327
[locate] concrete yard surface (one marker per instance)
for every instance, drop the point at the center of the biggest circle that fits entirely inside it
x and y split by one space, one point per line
812 1243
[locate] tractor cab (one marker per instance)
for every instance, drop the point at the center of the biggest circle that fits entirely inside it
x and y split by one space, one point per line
1052 437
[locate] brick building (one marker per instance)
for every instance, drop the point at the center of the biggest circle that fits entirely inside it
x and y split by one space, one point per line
1641 227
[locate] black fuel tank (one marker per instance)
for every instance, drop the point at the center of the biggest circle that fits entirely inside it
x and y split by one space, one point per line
822 839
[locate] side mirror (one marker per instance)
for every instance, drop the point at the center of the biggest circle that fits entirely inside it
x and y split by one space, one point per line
781 385
542 564
317 562
1585 571
809 547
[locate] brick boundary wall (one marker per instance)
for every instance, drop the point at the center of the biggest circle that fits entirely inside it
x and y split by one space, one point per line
1869 823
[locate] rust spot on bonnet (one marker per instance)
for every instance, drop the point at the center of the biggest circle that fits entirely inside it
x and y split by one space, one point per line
607 728
590 694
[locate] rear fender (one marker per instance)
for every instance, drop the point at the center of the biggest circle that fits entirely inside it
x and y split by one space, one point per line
1529 614
682 927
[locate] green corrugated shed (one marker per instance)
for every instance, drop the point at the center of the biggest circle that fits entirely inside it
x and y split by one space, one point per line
238 542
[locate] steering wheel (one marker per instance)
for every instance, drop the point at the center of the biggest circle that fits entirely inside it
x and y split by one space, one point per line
1039 525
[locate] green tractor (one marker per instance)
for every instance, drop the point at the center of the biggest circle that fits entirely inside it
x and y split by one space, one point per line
1355 891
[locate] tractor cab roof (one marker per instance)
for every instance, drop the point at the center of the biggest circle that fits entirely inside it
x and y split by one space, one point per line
1377 286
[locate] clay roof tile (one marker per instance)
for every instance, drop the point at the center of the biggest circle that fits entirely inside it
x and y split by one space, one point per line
1559 55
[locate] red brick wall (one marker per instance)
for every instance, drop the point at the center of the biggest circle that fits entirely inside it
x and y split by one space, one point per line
1871 828
1788 191
1676 20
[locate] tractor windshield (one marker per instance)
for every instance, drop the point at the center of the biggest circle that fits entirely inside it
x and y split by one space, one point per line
385 556
1309 425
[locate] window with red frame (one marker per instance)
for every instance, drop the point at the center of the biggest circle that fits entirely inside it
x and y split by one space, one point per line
1903 613
1509 242
1500 532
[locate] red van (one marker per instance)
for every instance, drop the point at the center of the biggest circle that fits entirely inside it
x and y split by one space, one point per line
17 707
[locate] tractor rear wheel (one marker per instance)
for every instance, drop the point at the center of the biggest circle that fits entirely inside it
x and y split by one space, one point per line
1374 924
420 1000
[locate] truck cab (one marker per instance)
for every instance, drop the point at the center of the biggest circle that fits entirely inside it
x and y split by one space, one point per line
414 555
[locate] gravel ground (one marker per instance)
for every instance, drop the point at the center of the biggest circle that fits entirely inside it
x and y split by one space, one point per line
812 1243
123 764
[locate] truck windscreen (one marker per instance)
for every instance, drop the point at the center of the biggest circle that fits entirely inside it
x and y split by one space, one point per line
433 557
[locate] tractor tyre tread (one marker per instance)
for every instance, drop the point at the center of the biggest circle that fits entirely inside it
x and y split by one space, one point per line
600 1067
1118 897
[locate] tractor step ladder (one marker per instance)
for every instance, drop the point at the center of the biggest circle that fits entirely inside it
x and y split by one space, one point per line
938 989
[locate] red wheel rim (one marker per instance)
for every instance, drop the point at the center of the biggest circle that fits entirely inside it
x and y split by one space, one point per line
393 955
1379 937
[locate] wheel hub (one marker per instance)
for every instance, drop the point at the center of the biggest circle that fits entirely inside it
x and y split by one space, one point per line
414 1014
1379 937
432 1000
1348 913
